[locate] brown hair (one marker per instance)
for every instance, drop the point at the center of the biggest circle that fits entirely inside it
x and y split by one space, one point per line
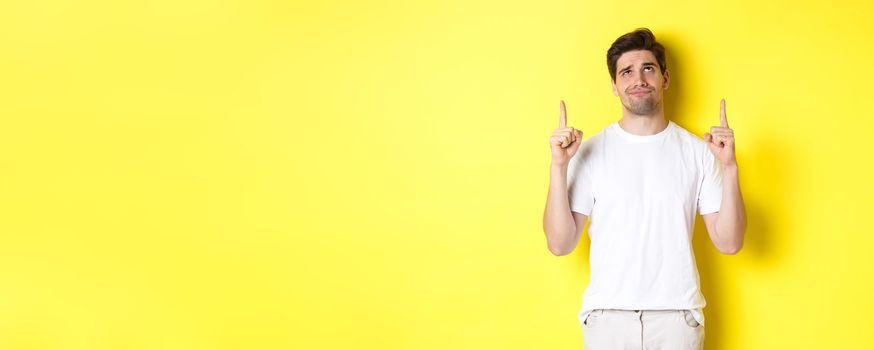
639 39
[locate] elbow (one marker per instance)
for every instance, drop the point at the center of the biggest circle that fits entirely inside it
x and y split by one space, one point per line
557 242
731 249
733 243
558 250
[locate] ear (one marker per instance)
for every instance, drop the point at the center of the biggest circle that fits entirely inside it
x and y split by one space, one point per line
615 91
667 80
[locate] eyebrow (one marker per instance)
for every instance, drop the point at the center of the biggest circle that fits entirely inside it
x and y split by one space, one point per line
647 64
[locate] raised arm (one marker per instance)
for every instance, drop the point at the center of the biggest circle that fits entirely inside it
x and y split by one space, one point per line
726 227
561 226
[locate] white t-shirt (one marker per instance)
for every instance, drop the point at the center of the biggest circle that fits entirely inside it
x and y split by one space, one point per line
640 194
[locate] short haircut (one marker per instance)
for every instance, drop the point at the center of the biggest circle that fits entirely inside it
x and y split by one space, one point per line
639 39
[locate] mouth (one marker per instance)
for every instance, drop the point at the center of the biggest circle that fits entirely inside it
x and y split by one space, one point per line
640 93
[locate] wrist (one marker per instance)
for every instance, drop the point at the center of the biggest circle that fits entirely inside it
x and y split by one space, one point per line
558 166
730 167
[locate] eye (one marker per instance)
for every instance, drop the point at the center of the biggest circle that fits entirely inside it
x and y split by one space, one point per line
649 67
623 72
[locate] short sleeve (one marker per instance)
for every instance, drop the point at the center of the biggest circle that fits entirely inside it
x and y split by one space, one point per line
579 180
710 196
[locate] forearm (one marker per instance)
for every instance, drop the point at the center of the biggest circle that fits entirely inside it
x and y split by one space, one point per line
558 222
731 223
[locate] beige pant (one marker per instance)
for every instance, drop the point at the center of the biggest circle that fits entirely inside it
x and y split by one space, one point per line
642 329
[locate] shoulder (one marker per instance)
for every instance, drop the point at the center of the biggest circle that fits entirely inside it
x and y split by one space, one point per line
686 134
686 137
590 147
695 147
593 142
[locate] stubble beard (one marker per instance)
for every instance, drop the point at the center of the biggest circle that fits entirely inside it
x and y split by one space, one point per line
642 107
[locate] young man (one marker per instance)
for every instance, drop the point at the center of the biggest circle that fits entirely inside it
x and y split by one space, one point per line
640 180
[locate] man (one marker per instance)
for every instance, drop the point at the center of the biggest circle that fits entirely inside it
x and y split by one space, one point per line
640 181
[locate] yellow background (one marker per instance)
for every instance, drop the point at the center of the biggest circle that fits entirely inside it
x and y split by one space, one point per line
372 174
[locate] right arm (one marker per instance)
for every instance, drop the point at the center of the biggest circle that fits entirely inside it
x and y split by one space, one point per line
561 225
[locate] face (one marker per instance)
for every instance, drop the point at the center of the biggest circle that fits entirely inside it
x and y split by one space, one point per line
640 83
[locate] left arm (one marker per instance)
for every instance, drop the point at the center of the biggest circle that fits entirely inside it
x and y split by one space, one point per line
727 226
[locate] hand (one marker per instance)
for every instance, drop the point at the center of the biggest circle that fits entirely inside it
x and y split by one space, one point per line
720 139
564 141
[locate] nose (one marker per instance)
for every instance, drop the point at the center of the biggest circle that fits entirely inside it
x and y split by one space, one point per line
640 82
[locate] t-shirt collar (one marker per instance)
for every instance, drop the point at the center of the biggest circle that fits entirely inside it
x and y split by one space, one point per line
642 138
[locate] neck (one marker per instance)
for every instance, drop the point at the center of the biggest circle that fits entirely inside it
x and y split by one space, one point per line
643 125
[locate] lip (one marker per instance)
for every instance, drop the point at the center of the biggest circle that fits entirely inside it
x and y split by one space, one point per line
639 93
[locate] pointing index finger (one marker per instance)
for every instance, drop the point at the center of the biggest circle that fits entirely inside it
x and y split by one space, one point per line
562 119
723 120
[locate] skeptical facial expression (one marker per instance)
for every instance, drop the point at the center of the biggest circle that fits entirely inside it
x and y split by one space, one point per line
640 83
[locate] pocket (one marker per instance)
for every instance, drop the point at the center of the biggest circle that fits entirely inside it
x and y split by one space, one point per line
591 319
690 319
